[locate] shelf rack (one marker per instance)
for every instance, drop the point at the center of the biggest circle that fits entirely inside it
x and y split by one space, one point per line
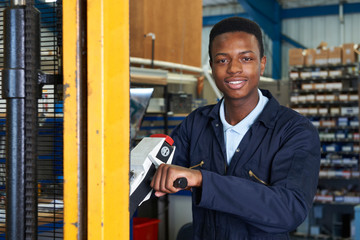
329 96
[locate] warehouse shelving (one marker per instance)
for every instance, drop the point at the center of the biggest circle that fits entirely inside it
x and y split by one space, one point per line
328 96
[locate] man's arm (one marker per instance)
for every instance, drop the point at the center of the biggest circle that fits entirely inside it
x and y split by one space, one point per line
166 174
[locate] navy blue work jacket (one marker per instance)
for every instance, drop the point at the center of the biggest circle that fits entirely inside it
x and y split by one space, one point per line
269 186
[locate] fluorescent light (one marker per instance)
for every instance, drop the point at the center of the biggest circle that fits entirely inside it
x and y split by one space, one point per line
50 1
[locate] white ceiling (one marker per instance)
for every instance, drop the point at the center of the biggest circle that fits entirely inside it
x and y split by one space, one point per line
283 3
308 3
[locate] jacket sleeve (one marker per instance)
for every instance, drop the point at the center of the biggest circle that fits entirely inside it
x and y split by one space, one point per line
181 136
283 204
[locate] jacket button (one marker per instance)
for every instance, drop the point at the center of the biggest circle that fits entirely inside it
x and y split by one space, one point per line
237 150
217 125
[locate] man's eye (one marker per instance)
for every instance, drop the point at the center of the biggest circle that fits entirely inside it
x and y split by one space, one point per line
246 59
222 61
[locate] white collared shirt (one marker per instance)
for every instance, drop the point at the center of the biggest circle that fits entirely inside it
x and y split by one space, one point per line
234 134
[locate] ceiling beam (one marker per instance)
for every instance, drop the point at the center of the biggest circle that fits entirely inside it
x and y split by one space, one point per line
212 20
267 14
319 11
292 41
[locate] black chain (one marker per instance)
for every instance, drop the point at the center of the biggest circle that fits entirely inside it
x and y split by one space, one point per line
31 122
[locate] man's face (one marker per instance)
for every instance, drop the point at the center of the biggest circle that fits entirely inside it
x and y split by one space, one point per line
236 65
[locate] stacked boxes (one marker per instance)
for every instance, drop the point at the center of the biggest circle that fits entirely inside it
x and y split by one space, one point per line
310 57
321 57
325 90
345 54
348 54
296 57
322 86
335 55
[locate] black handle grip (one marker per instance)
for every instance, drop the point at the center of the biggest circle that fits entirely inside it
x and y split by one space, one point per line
180 183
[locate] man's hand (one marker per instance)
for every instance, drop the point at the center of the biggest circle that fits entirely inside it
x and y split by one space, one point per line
166 174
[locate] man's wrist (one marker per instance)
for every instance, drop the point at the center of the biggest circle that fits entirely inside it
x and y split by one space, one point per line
198 178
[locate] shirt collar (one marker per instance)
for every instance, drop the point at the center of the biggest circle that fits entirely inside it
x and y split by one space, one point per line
248 120
226 125
266 117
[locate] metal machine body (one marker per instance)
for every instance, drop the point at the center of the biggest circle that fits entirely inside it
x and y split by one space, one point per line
144 159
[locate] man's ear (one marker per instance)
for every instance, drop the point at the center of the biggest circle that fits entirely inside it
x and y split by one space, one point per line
262 65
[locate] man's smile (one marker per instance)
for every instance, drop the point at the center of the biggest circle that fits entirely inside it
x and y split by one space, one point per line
235 83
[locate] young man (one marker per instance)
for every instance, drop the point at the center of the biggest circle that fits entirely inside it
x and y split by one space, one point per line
260 160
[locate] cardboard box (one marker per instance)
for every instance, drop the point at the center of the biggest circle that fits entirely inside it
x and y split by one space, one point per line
335 73
320 97
346 148
319 86
322 174
332 148
340 135
310 98
354 123
313 111
348 53
323 74
353 97
294 75
335 55
307 86
310 56
343 97
302 98
356 149
305 75
352 199
323 111
327 123
334 85
323 198
328 136
330 97
319 74
321 56
294 99
349 110
356 136
302 110
296 57
343 121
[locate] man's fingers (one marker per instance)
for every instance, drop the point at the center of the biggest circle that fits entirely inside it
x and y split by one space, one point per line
159 194
159 180
169 185
153 180
163 180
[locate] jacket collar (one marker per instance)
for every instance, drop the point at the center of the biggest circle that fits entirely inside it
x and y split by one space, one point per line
270 112
267 117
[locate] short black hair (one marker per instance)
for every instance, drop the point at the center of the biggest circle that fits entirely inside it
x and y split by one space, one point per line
236 24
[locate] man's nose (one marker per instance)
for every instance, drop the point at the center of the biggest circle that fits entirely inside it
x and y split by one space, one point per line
235 67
